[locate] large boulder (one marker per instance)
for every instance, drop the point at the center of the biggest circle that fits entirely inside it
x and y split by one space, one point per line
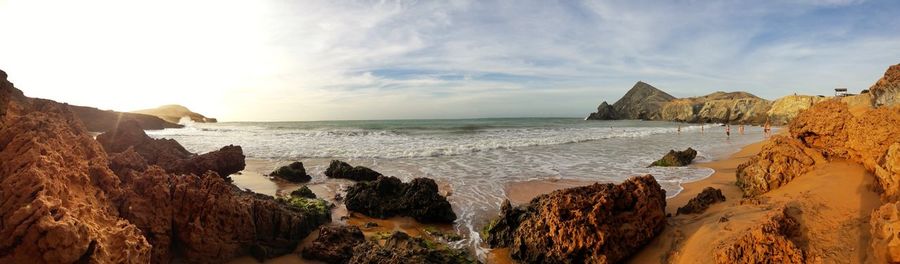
781 160
769 242
334 244
604 112
703 200
293 172
676 158
169 154
388 197
342 170
886 91
600 223
643 101
823 127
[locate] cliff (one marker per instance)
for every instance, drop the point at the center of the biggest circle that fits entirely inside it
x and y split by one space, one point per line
718 107
641 102
174 113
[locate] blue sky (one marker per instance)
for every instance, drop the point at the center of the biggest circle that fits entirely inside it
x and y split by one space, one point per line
319 60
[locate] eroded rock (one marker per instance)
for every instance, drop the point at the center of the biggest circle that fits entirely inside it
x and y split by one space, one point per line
781 160
334 244
703 200
388 196
170 155
770 242
342 170
600 223
400 248
885 225
886 91
676 158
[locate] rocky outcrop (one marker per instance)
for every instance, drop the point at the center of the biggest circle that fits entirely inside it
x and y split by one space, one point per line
600 223
770 242
66 201
334 244
170 155
886 91
604 112
676 158
388 196
703 200
885 225
781 160
784 109
823 128
57 195
174 114
400 248
342 170
293 172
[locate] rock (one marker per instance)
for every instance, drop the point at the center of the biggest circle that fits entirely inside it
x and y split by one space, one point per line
600 223
174 114
58 197
66 201
371 225
400 248
703 200
784 109
388 197
887 176
304 192
604 112
170 155
643 101
342 170
334 244
717 107
781 160
886 91
885 227
292 173
676 158
823 127
769 242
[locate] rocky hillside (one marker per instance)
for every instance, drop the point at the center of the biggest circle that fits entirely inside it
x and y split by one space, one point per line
96 120
174 113
646 102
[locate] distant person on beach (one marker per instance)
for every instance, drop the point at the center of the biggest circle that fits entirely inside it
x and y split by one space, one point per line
728 130
767 128
701 127
741 129
679 128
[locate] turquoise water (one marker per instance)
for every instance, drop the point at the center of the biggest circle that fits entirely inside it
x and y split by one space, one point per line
476 158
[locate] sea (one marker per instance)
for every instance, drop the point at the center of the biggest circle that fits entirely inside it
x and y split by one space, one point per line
474 161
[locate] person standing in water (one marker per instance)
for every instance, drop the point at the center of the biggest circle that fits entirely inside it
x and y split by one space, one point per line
679 128
767 128
727 130
741 129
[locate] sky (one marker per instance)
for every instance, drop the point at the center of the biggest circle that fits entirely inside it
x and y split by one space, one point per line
282 60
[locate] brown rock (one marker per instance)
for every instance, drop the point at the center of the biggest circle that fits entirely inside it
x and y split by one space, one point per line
781 160
770 242
334 244
703 200
823 127
885 224
170 155
341 170
676 158
56 193
600 223
400 248
388 197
